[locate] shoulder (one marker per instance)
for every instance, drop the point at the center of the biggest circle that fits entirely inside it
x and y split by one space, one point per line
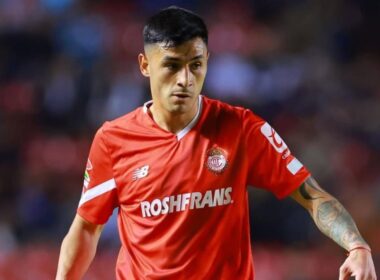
226 110
123 122
113 131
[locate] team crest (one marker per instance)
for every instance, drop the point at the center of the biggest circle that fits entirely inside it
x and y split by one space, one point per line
216 160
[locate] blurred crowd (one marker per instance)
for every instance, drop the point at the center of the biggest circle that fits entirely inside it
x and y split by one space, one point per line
310 68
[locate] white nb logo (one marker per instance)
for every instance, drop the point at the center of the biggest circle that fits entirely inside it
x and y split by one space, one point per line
140 172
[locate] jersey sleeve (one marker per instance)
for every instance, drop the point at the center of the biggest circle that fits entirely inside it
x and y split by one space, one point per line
271 164
99 195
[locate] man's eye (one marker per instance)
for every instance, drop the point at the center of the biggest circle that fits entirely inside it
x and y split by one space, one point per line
171 66
196 65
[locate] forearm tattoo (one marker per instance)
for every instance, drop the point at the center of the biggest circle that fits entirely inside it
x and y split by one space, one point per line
331 217
310 183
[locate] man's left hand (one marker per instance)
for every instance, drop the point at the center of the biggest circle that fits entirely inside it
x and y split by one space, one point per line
359 264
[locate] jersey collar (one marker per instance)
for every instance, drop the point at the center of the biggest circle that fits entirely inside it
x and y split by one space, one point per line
186 129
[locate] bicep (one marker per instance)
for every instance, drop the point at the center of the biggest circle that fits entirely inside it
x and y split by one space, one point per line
78 248
82 227
82 235
271 164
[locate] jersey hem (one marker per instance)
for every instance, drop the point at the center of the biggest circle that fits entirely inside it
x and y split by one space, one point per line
89 218
296 185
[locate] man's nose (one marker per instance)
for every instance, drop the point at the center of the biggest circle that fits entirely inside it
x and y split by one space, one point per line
184 78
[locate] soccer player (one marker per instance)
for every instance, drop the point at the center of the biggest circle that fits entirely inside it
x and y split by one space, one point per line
178 168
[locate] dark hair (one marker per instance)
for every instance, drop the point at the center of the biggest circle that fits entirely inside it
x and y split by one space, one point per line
174 26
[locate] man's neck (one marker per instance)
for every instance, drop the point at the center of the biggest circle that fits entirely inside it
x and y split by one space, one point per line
170 121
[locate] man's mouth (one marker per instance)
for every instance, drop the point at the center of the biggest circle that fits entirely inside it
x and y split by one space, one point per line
181 94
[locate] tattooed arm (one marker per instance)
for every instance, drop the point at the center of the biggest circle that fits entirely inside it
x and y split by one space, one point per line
329 215
334 221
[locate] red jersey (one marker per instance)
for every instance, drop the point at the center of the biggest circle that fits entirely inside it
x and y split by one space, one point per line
182 198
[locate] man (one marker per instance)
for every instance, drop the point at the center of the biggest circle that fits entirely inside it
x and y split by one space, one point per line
178 169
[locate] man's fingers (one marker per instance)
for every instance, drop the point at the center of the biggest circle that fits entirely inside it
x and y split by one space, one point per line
370 275
344 273
362 275
359 276
358 266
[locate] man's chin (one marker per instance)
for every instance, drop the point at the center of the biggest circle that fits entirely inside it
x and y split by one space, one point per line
179 108
182 105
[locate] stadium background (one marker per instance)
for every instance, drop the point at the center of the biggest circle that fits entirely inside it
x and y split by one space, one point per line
311 69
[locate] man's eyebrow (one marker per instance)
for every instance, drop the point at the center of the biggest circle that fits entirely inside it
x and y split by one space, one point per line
173 58
170 58
197 57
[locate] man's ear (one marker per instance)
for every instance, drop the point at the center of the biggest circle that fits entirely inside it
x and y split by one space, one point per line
143 62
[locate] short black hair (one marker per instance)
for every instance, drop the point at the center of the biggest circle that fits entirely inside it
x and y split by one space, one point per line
174 26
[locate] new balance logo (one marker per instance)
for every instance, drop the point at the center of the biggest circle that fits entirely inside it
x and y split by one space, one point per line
140 172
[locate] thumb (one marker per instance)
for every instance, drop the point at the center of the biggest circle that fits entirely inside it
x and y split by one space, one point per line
344 273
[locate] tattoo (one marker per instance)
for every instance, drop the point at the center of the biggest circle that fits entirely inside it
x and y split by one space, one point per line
310 183
329 215
305 193
334 221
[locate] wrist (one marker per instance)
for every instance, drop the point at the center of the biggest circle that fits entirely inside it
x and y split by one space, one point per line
359 247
